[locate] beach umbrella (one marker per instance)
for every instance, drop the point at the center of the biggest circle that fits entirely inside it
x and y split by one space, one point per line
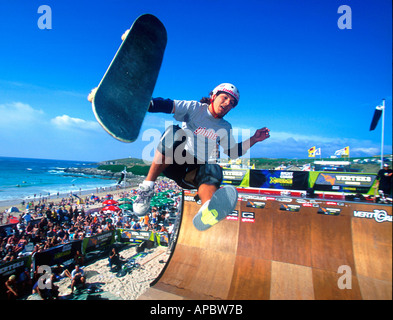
124 200
109 202
12 209
126 206
111 208
13 220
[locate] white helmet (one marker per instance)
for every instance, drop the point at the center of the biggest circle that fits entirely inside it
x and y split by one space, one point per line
228 88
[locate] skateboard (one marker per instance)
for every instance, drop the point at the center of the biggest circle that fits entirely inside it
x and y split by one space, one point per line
221 204
124 93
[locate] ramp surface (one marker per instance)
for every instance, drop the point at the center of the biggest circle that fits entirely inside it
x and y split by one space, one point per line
282 248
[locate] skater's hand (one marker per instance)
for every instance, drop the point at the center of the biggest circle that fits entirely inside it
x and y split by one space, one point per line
260 135
125 34
91 95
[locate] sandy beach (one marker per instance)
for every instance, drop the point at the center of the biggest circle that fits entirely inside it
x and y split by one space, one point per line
128 287
98 274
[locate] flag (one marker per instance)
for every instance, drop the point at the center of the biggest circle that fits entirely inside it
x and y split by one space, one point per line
342 152
318 152
311 152
376 117
339 152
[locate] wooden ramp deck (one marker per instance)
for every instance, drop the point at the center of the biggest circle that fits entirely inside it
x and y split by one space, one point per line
319 250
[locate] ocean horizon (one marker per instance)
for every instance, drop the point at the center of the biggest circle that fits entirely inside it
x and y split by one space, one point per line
32 178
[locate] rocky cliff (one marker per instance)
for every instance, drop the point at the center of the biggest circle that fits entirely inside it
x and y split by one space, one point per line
97 172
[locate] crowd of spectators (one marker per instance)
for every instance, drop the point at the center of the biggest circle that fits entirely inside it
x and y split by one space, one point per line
46 225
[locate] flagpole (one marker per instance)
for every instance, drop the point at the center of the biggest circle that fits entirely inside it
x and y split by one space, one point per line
383 129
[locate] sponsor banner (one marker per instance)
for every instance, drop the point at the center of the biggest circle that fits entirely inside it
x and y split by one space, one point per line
233 176
234 215
129 235
290 207
278 179
329 211
248 216
58 254
163 238
377 214
98 241
15 267
343 182
133 236
256 204
256 197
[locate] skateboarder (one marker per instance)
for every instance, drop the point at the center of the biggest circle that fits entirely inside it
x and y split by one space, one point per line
183 153
124 95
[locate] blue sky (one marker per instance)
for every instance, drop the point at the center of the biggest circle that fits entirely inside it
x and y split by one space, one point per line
310 82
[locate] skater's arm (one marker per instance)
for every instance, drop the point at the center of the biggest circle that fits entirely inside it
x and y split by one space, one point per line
241 148
162 105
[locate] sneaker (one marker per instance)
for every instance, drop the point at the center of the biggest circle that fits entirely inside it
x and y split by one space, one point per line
217 208
141 204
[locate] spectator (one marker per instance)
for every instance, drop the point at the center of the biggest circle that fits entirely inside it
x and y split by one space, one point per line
114 259
79 258
11 290
77 277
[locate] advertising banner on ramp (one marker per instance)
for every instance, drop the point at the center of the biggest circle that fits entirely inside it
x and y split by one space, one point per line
342 182
277 179
234 177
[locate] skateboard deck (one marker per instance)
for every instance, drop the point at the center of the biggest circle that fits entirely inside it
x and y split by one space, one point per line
221 204
124 93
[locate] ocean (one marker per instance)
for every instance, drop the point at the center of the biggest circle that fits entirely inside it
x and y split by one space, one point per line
24 178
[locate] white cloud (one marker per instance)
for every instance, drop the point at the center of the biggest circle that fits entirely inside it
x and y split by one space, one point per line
370 151
294 145
18 113
66 122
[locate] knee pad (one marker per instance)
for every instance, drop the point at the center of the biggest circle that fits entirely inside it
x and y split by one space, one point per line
209 174
172 137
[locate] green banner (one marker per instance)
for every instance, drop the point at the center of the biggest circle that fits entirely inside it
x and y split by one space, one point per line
347 182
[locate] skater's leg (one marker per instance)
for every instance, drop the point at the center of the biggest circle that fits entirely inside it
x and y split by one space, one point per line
146 189
206 191
162 160
158 165
222 203
163 157
209 178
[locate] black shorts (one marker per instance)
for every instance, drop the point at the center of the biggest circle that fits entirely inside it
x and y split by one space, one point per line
190 174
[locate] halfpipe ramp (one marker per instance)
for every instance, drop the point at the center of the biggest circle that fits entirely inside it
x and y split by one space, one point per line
282 248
